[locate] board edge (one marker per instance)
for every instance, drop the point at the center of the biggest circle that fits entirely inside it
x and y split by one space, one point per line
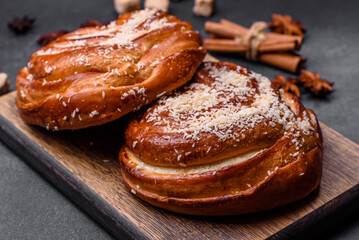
72 187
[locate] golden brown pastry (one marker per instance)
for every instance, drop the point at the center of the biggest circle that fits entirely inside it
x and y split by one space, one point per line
97 74
226 143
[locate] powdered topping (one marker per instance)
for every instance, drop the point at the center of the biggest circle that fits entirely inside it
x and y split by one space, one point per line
113 34
232 100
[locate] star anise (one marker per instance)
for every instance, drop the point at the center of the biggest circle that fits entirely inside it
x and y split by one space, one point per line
21 25
313 83
285 24
287 84
49 37
94 23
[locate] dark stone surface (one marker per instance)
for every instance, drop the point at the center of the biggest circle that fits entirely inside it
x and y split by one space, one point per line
31 208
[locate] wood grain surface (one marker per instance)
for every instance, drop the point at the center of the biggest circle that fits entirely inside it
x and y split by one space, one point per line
84 165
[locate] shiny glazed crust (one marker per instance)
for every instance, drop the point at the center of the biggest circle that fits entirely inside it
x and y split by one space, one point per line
255 172
95 75
286 185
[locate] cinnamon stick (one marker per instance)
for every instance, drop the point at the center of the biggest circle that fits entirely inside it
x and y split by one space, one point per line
240 29
229 45
286 61
219 30
229 29
217 36
272 51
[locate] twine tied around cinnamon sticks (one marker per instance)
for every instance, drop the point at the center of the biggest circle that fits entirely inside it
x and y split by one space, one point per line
255 36
276 49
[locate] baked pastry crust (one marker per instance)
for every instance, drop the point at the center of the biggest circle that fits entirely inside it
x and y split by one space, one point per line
95 75
265 152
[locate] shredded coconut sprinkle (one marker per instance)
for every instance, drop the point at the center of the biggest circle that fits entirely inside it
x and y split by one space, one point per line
48 69
116 35
93 113
232 100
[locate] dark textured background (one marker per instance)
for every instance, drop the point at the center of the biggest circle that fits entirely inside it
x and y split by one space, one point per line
31 208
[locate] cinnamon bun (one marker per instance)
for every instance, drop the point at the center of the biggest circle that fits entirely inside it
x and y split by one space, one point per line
95 75
226 143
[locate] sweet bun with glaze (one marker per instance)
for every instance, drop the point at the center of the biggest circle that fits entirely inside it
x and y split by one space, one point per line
95 75
226 143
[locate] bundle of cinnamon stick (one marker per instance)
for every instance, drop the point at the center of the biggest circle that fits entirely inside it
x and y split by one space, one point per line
276 50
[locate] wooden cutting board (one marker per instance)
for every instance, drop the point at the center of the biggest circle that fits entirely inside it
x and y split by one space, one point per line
83 165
